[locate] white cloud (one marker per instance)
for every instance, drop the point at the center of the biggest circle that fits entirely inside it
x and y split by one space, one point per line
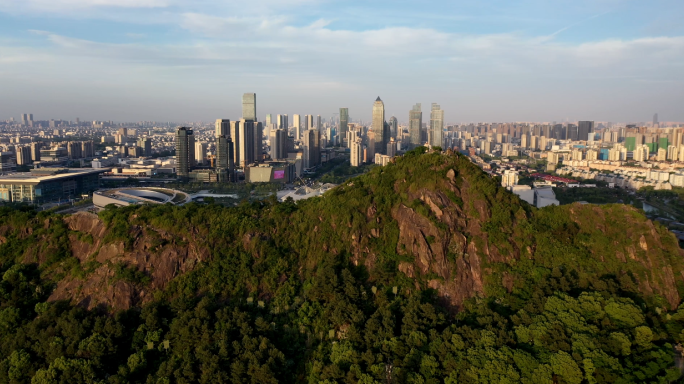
265 50
71 5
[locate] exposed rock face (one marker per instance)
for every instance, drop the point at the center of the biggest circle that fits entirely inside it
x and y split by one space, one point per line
101 288
446 254
460 255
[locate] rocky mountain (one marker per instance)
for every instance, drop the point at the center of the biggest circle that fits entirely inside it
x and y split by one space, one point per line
429 225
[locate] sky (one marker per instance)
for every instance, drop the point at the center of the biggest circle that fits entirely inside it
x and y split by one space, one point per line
481 60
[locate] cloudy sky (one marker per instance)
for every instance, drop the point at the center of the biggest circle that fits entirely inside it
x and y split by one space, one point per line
493 60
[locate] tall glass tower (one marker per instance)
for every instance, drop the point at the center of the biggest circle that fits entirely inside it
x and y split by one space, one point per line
249 107
436 125
394 127
344 123
415 125
185 151
379 125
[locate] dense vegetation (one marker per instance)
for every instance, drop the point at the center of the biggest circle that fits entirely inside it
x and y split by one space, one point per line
286 298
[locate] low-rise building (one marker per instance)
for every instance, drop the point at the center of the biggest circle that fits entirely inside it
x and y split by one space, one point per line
45 185
271 172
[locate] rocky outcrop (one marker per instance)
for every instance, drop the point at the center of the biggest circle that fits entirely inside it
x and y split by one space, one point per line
454 254
101 287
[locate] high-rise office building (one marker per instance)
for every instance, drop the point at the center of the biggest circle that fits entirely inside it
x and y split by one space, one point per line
436 125
655 119
573 134
225 164
297 123
415 124
319 126
235 137
559 132
309 122
584 128
391 147
258 141
394 128
200 153
249 107
311 148
344 123
146 144
370 145
269 120
378 125
24 119
278 141
246 143
222 127
185 151
282 122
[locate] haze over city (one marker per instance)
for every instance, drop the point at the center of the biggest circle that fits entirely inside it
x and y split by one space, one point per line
169 60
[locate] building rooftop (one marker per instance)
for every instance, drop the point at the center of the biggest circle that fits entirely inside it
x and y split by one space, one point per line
47 174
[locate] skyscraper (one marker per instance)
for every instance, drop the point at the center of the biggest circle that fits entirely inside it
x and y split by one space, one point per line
572 132
258 129
370 147
319 126
269 120
222 127
245 143
394 127
225 158
655 119
378 125
249 107
415 125
235 137
309 122
278 140
344 123
436 125
584 129
297 127
282 122
185 151
311 148
200 152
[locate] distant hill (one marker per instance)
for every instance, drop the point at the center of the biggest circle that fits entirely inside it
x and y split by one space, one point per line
422 271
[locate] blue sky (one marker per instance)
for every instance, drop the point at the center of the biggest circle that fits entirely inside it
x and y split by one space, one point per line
613 60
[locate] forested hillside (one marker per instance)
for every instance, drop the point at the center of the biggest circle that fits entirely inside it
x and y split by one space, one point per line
423 271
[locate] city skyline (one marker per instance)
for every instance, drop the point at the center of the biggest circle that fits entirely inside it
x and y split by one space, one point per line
170 60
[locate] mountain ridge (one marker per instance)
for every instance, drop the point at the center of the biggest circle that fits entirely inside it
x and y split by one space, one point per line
422 271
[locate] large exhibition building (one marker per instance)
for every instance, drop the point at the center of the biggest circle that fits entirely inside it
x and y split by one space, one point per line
45 185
